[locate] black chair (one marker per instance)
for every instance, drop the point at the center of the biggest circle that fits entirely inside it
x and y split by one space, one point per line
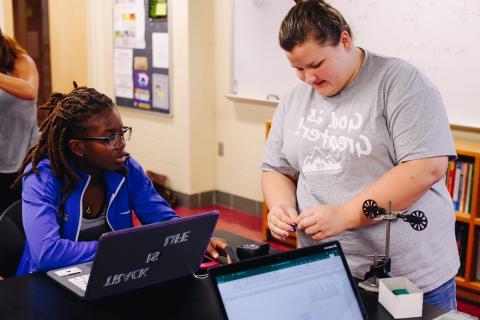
12 239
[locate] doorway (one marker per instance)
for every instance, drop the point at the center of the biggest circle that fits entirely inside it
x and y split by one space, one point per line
30 19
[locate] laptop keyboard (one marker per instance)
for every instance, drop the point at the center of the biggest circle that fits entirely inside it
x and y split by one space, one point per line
80 281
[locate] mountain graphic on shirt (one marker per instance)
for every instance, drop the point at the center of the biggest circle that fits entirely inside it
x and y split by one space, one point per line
319 163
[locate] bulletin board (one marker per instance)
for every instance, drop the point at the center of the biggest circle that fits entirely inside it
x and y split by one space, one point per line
142 55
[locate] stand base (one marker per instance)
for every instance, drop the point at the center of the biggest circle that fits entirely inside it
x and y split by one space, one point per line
371 284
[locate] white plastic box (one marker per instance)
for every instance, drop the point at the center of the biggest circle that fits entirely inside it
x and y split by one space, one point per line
404 305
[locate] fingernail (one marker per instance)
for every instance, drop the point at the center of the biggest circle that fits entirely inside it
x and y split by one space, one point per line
290 230
215 255
282 238
285 235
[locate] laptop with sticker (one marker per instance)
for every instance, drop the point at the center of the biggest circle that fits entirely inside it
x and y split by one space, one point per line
309 283
133 258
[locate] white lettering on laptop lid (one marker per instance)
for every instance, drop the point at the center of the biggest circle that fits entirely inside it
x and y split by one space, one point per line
176 238
124 277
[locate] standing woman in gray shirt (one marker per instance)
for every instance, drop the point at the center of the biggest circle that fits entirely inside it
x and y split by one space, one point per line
18 114
360 126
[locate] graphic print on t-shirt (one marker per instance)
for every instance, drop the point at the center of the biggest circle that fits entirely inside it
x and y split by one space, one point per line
332 135
319 162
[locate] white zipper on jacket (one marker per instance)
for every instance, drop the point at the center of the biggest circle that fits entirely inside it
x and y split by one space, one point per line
81 208
111 200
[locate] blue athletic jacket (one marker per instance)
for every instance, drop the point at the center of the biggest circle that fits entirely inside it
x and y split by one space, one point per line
52 241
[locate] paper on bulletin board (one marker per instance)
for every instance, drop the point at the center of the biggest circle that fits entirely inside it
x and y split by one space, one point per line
123 74
140 63
142 89
160 50
160 97
158 9
129 23
161 9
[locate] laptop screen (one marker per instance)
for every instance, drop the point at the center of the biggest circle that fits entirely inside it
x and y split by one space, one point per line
306 287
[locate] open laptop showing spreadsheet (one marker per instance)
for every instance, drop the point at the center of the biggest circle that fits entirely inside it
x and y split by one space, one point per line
305 284
138 257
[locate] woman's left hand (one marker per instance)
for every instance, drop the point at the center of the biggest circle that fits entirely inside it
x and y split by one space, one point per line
217 244
322 221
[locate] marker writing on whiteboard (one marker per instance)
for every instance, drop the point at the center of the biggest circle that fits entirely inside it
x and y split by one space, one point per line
272 97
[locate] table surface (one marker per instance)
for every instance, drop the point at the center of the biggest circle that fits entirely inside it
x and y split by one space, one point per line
36 296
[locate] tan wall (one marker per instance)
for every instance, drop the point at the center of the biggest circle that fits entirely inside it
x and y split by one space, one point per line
67 21
6 17
240 126
462 135
99 45
202 109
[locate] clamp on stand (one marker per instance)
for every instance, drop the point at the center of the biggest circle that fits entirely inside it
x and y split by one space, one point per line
382 263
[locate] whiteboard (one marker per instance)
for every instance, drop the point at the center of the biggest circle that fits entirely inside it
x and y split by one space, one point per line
441 38
260 67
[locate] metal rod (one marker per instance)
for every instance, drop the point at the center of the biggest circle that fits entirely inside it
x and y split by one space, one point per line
387 237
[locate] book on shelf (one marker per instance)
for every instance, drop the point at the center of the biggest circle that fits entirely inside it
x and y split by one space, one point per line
457 185
459 182
468 199
478 256
451 177
463 189
461 236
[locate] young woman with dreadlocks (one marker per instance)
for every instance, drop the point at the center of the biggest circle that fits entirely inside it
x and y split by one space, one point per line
78 182
18 123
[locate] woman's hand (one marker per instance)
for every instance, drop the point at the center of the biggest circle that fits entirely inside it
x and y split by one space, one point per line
323 221
282 220
217 244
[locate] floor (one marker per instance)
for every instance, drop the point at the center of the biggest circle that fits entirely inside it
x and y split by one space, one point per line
249 226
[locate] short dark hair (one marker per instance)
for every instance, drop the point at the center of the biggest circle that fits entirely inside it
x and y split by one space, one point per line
312 18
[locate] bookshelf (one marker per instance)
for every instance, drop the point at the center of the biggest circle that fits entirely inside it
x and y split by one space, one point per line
468 279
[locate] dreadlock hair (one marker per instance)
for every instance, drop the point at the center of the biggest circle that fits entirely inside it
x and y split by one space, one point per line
10 50
312 19
68 115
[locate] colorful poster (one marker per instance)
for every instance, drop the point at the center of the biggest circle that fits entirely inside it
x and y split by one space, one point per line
129 23
160 94
142 89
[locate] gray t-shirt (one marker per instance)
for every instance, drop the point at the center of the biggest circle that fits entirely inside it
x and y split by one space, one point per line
337 146
18 130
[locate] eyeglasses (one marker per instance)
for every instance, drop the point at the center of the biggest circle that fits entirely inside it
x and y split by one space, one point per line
115 140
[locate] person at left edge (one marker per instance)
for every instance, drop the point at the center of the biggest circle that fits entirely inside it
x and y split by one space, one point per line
78 182
18 120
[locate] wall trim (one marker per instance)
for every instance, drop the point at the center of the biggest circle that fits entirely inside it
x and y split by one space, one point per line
224 199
